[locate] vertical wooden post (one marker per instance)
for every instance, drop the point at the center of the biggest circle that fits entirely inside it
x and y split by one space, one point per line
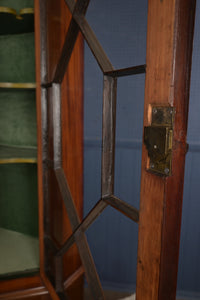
52 19
169 49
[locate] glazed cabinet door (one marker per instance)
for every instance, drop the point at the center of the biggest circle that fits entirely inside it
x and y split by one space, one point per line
64 250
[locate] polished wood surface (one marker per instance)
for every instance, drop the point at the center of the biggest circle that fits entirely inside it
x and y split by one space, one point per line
41 297
184 25
39 132
39 293
20 283
169 48
72 129
23 288
58 18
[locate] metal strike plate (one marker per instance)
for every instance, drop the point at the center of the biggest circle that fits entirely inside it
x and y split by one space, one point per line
158 140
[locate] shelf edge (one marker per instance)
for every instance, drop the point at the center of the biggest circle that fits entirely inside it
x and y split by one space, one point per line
18 160
12 85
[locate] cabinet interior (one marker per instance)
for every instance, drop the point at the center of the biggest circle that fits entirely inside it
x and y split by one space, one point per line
19 246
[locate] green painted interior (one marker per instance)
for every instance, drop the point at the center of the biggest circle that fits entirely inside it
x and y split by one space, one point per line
18 198
11 24
17 58
20 253
18 181
18 117
17 4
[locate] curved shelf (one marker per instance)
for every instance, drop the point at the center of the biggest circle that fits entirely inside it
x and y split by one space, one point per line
20 253
13 85
18 161
16 154
26 11
8 10
13 23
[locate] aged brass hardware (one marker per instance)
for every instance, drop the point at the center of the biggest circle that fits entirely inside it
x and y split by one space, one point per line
158 140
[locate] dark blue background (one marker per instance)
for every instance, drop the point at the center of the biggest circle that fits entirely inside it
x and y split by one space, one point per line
121 28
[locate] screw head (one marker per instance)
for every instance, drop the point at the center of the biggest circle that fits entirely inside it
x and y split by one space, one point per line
166 171
155 111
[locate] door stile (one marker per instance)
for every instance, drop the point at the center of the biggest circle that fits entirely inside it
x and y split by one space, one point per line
184 24
42 131
168 60
42 138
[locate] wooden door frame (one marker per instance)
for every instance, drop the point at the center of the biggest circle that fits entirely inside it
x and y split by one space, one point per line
169 49
168 58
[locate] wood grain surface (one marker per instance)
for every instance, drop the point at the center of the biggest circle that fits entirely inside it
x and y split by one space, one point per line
72 128
168 60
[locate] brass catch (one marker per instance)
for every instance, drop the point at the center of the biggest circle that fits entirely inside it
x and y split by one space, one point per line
158 140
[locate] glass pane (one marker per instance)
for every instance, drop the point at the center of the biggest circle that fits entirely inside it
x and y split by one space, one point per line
121 30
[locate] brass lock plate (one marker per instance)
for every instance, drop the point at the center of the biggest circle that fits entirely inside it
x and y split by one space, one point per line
158 140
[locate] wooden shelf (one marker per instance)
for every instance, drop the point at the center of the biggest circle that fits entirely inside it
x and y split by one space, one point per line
19 252
13 23
13 85
14 154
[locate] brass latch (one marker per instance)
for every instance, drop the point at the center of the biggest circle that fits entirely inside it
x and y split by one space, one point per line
158 140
